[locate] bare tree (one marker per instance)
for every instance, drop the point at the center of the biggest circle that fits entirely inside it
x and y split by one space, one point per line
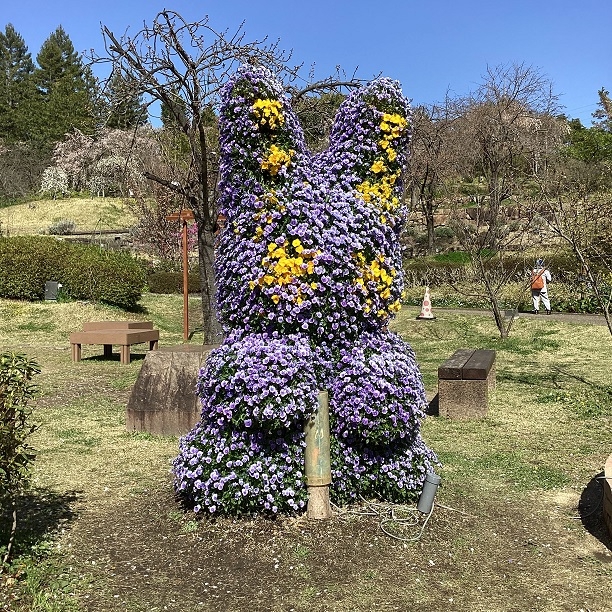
432 163
507 128
506 134
183 66
576 204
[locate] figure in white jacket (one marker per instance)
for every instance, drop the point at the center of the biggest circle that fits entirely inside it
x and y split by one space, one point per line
540 277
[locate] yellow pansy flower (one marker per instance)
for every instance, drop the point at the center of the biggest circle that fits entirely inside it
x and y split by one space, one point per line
268 112
378 166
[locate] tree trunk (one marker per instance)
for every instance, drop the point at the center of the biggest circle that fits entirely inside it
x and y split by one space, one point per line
431 237
211 328
492 297
11 539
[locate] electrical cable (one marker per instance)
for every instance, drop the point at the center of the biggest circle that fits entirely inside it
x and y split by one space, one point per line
387 514
393 519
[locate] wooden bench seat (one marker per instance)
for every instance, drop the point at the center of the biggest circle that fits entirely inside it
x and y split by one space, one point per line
464 382
101 325
107 333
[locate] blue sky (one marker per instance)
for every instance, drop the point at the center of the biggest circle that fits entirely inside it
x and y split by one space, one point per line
431 47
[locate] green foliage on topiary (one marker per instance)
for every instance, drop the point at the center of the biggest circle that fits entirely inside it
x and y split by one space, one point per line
86 272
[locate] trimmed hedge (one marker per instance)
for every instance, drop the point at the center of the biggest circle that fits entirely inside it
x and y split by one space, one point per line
85 271
172 282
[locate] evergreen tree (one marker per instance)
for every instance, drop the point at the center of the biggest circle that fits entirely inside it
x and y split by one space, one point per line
66 90
125 106
16 68
604 113
590 145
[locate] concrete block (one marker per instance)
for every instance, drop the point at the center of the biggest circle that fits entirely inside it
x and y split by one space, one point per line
463 399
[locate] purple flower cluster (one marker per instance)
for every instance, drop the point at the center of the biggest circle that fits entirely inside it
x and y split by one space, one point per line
309 275
377 403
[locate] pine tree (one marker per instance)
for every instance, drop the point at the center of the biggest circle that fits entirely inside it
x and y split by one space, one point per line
66 90
16 68
125 106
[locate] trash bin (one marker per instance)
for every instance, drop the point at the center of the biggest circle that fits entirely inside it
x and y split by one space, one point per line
51 290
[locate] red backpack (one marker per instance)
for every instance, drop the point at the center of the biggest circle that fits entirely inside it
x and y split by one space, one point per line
537 279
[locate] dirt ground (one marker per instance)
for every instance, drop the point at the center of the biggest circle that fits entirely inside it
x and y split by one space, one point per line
145 554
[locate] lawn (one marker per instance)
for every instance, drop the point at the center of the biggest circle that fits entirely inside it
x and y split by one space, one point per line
516 525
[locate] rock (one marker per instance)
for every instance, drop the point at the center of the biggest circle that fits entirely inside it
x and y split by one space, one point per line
163 400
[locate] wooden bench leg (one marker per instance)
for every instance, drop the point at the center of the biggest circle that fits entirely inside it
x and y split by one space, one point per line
76 352
125 354
108 351
153 344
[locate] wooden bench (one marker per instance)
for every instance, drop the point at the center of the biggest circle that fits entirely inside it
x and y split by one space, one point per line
464 382
123 333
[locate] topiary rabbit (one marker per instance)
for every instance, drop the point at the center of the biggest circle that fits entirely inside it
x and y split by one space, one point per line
309 274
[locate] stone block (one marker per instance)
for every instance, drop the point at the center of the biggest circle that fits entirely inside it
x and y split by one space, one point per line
163 400
463 399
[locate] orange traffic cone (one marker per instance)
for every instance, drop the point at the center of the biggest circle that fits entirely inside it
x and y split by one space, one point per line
426 313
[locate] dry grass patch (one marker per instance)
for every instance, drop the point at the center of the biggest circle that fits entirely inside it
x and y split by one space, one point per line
89 214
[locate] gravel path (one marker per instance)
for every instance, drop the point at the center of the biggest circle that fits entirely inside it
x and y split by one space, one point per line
568 317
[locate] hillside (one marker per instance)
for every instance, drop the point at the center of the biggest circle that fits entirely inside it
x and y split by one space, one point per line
88 214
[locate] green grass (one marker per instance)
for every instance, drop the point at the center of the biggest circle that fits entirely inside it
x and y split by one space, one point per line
547 433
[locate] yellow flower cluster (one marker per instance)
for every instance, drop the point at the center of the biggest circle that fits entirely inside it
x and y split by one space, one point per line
376 271
263 217
380 192
276 159
392 127
268 112
284 263
393 124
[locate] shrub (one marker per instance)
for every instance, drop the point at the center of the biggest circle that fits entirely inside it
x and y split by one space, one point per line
26 263
85 271
172 282
16 455
444 232
427 271
62 227
451 268
457 257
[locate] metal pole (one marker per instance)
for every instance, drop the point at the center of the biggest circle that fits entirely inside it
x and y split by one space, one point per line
185 285
317 462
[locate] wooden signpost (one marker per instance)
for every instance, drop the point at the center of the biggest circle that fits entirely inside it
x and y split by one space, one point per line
184 216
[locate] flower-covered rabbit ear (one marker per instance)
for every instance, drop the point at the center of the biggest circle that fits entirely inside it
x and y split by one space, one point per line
262 142
369 143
